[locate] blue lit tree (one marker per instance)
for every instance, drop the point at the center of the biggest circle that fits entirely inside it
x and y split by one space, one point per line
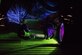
16 14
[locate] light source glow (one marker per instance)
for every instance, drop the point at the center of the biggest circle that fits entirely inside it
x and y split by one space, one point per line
47 13
40 35
41 12
51 31
52 4
16 14
38 11
61 34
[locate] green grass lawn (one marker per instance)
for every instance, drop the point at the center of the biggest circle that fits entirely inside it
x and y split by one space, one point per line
36 46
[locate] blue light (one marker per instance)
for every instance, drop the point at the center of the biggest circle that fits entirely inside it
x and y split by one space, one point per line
47 13
16 14
52 4
39 11
51 31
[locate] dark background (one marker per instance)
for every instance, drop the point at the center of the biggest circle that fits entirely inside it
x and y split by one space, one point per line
72 37
72 31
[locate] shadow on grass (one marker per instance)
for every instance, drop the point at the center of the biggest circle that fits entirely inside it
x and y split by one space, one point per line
10 40
7 35
45 45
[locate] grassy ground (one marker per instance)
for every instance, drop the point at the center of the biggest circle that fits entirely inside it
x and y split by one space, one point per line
10 44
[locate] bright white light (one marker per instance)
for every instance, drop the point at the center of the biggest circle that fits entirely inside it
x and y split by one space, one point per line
69 15
66 19
2 25
40 35
1 18
62 16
